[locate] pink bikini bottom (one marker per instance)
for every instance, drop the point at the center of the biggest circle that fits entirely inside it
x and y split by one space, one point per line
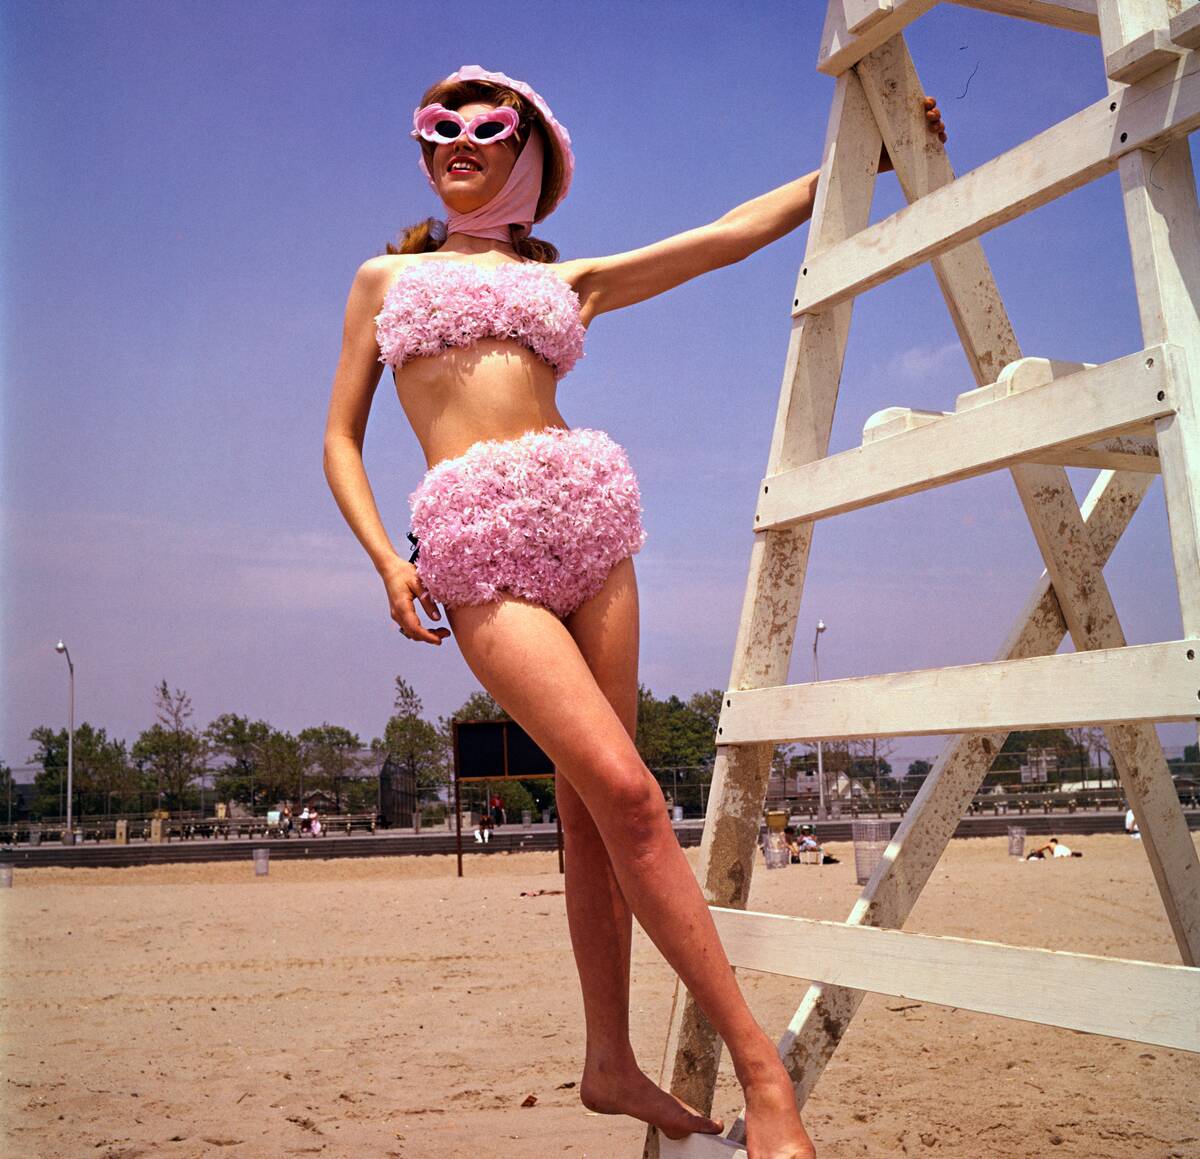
544 516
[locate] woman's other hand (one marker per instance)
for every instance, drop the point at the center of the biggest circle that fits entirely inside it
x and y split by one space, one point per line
404 587
933 122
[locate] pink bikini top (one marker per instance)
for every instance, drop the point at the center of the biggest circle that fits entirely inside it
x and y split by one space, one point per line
438 302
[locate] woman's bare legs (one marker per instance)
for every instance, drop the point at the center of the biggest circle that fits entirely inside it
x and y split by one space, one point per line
529 662
605 629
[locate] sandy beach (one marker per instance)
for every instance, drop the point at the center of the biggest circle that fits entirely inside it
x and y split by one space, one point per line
384 1007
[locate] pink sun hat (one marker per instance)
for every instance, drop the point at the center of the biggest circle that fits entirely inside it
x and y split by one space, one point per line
560 139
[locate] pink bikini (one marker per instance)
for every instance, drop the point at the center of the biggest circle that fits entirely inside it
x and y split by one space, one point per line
544 516
439 302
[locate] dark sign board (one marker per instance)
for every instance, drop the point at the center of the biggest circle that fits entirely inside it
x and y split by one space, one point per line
495 750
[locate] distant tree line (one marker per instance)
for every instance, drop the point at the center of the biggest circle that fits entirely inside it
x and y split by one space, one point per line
174 762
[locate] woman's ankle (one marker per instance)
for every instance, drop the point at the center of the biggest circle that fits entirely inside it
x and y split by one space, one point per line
611 1058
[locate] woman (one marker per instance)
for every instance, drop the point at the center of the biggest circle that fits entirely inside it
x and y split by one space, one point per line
525 532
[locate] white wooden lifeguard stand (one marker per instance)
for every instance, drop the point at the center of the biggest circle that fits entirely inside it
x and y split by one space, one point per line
1135 417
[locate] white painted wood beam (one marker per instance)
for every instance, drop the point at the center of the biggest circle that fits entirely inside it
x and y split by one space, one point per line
700 1147
840 47
1185 26
1144 682
1064 413
1072 15
1123 453
1077 150
1141 1001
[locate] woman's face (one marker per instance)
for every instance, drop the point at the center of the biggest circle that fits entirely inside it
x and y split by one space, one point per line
468 175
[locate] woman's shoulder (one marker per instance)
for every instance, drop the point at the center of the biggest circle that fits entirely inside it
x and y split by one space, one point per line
373 276
376 276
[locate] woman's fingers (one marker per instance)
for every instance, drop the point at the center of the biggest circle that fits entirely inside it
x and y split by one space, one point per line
934 118
429 604
404 586
411 626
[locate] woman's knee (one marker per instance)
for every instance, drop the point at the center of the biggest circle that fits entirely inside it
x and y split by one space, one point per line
627 804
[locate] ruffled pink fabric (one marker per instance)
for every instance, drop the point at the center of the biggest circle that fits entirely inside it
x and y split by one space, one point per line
544 516
437 303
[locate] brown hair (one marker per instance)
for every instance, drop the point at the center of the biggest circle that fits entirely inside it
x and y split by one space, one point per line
430 234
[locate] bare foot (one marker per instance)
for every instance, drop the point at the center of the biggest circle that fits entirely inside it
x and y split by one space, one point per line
773 1127
627 1090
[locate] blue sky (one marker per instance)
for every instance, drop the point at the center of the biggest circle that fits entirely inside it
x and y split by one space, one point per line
187 191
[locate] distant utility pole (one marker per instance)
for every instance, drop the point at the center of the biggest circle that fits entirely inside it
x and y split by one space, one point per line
69 836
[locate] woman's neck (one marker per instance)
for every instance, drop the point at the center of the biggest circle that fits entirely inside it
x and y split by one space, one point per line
465 243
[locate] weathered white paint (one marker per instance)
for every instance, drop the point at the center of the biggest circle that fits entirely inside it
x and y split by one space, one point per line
841 48
1143 682
935 450
1064 157
1073 15
1140 1001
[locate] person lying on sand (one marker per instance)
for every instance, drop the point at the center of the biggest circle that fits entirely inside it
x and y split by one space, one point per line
1052 848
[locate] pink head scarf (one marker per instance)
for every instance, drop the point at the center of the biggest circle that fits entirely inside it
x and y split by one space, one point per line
516 203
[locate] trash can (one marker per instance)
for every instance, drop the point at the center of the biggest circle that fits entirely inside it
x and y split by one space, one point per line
775 847
545 816
1016 841
871 838
122 835
526 819
35 835
6 876
262 859
676 812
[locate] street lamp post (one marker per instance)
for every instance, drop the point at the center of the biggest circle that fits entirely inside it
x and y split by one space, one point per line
70 835
821 812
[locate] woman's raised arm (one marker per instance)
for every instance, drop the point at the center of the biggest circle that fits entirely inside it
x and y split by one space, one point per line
608 283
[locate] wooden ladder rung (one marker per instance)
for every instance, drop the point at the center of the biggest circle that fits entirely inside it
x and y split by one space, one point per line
1141 1001
1142 682
1062 415
696 1146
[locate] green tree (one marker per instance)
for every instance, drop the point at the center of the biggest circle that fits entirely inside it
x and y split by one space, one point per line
8 794
279 768
516 797
479 706
171 752
918 770
412 742
103 777
330 754
673 733
240 741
